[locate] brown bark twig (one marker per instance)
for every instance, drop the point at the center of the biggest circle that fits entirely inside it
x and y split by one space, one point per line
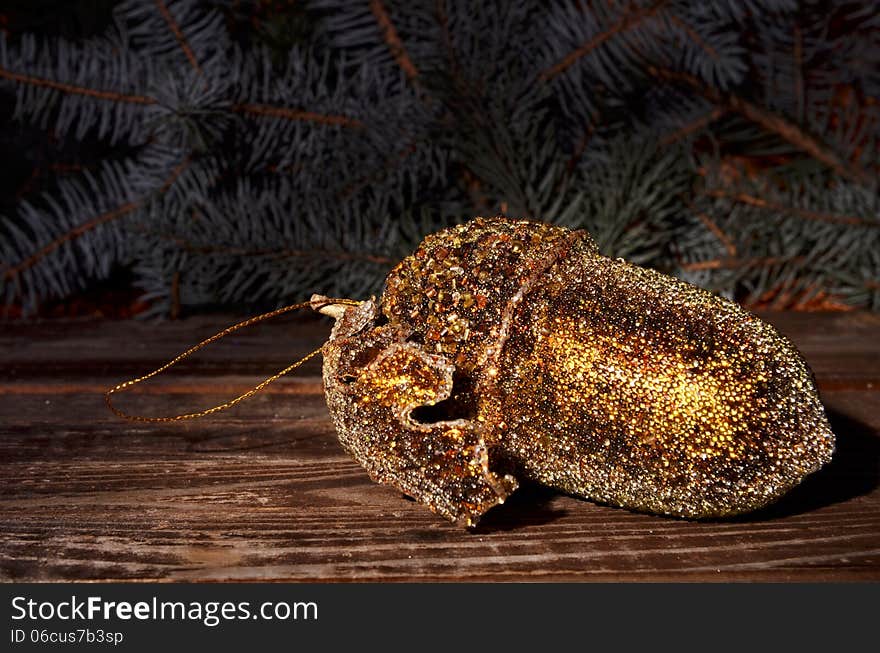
583 143
733 263
630 20
179 35
279 253
769 121
692 34
295 114
392 40
113 96
73 89
89 225
798 70
761 203
712 226
693 126
381 172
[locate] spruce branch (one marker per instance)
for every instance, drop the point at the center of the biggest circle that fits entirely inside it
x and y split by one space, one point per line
325 143
740 263
805 214
694 126
179 35
377 175
392 40
72 234
87 226
632 17
74 89
297 115
692 34
279 253
582 144
442 17
798 69
770 121
712 226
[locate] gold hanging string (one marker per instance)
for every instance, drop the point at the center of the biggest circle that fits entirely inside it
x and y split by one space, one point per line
205 343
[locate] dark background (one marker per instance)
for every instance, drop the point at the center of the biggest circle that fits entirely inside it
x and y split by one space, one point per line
289 147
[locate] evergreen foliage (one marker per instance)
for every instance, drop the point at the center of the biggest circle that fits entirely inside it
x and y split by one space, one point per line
734 144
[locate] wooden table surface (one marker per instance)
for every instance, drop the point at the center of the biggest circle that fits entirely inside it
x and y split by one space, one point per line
265 492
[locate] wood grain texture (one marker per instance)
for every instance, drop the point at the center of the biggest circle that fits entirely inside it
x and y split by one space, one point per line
264 491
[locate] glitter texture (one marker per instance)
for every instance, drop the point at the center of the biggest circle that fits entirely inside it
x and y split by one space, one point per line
506 349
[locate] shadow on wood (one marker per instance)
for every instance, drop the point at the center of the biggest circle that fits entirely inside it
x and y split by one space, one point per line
530 505
853 471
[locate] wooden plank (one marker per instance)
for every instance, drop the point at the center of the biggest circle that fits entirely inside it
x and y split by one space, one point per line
843 349
838 346
83 348
265 492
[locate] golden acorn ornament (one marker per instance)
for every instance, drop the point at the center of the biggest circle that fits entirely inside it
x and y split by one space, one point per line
507 349
504 349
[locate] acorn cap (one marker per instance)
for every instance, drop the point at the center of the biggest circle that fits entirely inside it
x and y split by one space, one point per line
454 291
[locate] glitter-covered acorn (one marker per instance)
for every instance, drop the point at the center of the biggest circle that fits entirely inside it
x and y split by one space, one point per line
506 349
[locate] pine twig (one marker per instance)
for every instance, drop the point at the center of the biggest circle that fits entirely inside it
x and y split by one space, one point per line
455 67
799 70
761 203
630 20
811 298
692 34
73 89
583 143
113 96
72 234
279 253
693 126
712 226
392 40
89 225
380 173
294 114
179 35
738 263
770 121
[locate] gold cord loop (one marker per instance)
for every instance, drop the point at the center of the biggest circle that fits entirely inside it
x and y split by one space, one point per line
204 343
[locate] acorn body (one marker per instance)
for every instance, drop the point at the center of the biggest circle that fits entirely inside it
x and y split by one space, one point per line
507 349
